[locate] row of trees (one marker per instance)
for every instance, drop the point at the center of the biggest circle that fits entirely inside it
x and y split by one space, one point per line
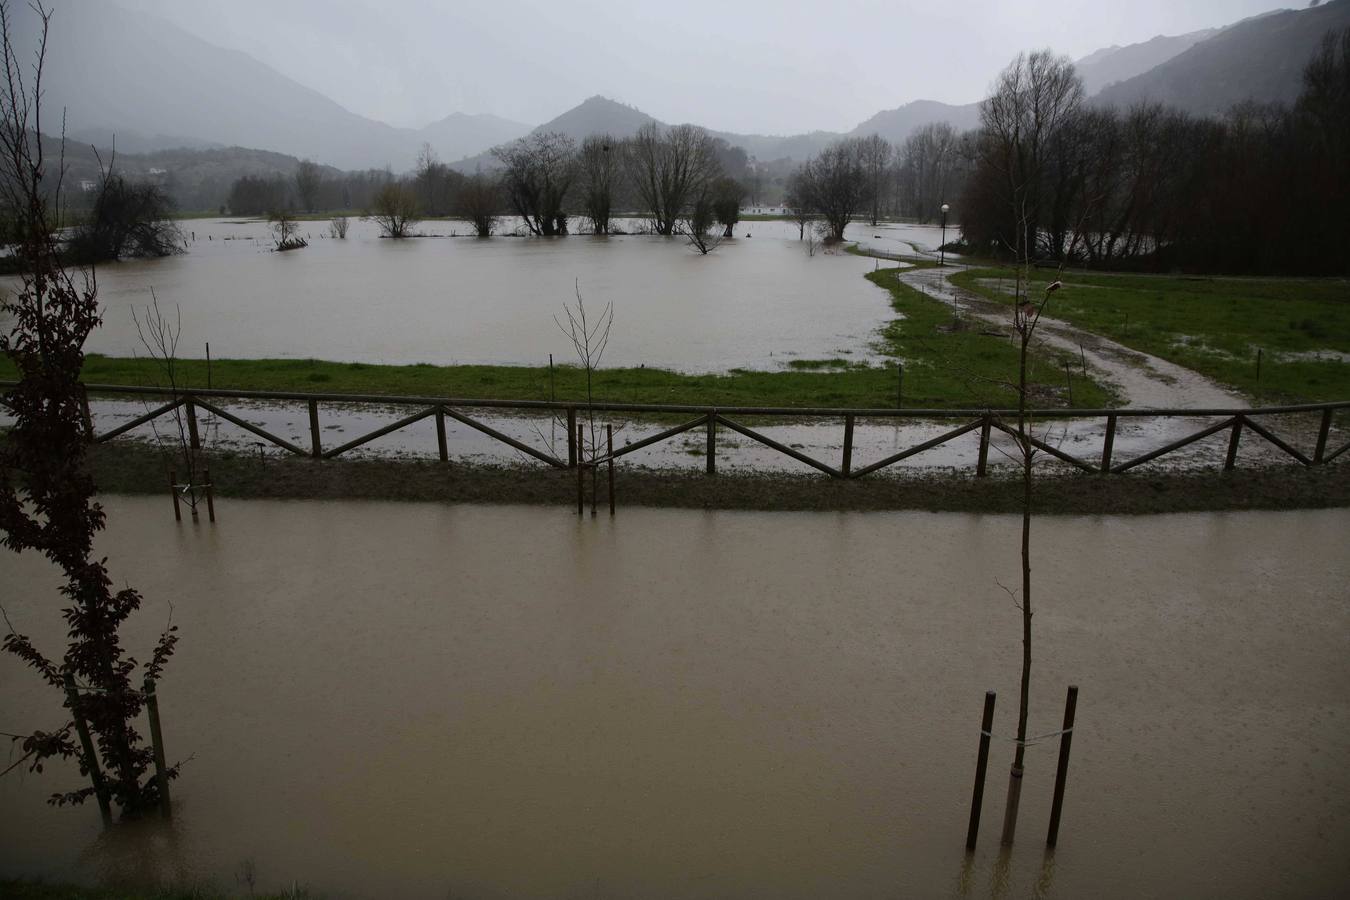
1258 190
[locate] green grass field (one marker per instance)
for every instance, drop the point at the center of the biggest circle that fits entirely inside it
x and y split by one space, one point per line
942 369
1216 326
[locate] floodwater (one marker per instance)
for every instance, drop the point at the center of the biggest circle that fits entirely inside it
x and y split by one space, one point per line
691 704
756 302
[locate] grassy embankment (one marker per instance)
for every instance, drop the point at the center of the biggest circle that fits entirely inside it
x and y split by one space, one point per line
943 368
1214 326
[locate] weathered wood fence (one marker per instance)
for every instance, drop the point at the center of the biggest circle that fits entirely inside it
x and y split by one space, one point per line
986 421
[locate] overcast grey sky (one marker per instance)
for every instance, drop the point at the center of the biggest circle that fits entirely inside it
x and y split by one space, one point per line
768 66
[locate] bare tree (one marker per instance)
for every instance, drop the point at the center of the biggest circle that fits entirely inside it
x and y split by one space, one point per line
435 183
395 210
589 338
876 153
1034 98
727 194
670 168
600 172
798 199
285 230
308 181
128 219
478 202
696 223
337 227
537 174
835 184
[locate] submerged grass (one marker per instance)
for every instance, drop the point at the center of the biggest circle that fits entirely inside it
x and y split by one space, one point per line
1215 326
944 367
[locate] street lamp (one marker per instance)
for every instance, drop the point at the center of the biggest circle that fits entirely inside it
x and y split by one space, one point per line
942 251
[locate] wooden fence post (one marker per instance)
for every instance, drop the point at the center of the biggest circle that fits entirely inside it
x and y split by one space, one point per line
173 492
157 744
441 447
1231 461
609 439
581 471
572 435
1322 434
981 765
193 440
847 465
87 745
1108 443
1062 770
1068 379
712 443
900 386
210 495
982 465
315 445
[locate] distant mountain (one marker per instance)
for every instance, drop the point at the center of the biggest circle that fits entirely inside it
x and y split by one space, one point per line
1113 64
460 134
600 115
895 125
114 70
1259 59
128 140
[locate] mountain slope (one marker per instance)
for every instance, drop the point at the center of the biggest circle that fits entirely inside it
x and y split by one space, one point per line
116 70
1260 59
1113 64
895 125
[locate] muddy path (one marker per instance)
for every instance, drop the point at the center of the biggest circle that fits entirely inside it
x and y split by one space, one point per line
1143 381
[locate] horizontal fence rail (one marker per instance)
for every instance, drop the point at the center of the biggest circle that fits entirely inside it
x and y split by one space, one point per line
986 421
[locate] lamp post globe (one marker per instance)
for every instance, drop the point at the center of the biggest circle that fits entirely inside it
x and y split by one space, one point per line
942 250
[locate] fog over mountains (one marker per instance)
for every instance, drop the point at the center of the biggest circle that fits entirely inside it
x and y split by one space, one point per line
157 86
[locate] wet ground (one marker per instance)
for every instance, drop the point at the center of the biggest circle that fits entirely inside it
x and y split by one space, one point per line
688 704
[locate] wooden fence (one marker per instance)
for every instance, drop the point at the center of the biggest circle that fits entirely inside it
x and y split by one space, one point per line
986 421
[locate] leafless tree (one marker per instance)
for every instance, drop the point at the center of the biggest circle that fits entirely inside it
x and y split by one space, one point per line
159 336
308 181
696 223
337 227
478 203
1035 97
128 219
285 230
435 183
835 184
601 169
670 168
876 153
727 194
395 210
798 199
589 338
538 171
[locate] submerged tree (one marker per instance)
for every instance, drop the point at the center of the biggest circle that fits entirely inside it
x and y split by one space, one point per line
727 194
670 168
834 183
537 175
395 210
478 203
600 173
128 220
46 491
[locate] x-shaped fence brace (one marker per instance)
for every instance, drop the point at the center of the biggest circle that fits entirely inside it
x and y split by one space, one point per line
709 418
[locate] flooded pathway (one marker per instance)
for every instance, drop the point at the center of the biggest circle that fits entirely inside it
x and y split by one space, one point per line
413 700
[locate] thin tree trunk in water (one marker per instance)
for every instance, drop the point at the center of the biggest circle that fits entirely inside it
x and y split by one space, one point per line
1024 444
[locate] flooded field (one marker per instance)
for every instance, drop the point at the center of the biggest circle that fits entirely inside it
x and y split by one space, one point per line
756 302
688 704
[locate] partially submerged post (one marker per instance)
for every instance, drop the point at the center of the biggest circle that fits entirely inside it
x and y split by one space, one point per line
1062 771
90 758
157 745
609 439
981 765
173 492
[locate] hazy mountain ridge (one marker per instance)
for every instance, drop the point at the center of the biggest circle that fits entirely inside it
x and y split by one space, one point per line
1260 59
1116 63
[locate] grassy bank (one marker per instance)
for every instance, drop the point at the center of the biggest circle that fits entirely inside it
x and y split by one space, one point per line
943 368
1215 326
132 468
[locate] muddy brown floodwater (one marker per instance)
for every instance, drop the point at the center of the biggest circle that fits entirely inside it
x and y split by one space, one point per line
426 701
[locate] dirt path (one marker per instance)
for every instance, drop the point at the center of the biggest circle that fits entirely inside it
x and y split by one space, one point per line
1143 381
